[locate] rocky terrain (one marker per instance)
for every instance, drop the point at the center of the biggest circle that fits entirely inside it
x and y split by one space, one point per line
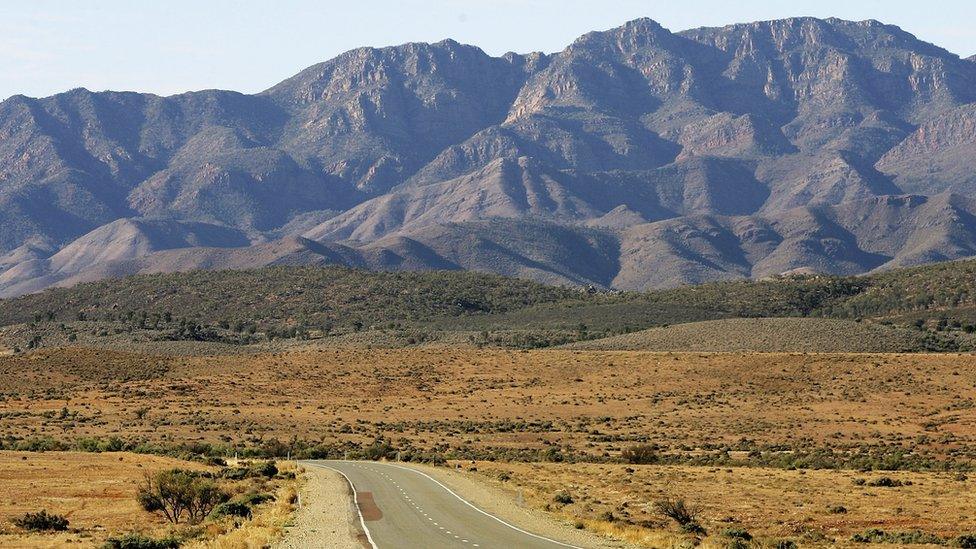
635 158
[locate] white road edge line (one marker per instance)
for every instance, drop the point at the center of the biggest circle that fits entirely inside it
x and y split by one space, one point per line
355 501
471 505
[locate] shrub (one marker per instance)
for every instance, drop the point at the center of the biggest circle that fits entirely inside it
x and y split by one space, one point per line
43 521
914 537
563 498
641 454
786 544
738 533
682 513
233 509
265 469
256 499
965 541
607 516
887 482
234 473
176 493
138 541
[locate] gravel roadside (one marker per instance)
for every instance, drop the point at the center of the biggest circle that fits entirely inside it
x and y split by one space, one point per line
326 517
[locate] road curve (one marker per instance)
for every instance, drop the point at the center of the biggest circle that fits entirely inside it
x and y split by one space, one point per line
401 507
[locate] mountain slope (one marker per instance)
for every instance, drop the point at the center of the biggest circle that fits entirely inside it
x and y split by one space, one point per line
939 156
850 238
119 241
666 158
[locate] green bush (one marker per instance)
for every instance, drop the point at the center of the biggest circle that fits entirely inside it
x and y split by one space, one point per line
43 521
256 499
265 469
233 509
234 473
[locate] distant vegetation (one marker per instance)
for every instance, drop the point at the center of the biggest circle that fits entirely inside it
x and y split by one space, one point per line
42 521
303 302
277 301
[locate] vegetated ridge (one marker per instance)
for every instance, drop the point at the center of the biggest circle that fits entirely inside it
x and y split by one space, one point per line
920 308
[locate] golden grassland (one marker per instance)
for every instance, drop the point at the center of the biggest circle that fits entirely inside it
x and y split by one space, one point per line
96 493
588 402
582 404
811 507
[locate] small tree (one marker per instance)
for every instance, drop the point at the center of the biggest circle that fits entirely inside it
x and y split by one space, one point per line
176 493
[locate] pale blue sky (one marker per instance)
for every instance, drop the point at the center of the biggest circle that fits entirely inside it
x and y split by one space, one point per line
170 46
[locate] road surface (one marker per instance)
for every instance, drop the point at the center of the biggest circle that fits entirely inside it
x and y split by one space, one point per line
401 507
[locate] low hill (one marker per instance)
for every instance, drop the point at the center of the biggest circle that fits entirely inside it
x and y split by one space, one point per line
766 335
934 307
285 295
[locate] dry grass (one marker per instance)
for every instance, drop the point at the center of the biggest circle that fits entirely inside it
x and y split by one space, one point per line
96 492
770 503
579 401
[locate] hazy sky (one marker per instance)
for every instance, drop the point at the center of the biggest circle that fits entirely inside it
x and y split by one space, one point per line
170 46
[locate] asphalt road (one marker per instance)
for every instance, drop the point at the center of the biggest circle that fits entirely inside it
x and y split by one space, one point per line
401 507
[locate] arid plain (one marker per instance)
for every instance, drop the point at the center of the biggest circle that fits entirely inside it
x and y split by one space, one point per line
771 442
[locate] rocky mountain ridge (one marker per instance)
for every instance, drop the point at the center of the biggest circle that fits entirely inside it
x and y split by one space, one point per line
635 158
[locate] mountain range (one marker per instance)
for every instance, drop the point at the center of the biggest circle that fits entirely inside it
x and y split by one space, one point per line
635 158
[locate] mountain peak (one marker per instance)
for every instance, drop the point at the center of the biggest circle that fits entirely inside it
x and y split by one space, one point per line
630 36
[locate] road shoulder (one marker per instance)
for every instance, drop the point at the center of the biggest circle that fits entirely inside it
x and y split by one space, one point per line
327 516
